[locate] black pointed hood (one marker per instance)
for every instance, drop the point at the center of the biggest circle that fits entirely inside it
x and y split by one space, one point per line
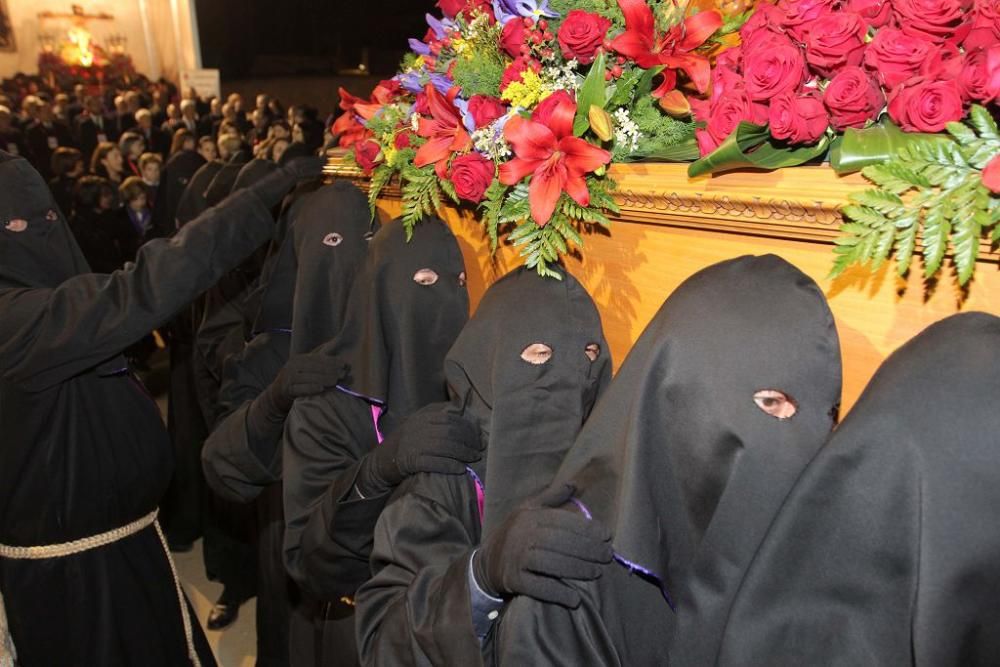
397 332
37 248
887 552
529 413
331 235
678 451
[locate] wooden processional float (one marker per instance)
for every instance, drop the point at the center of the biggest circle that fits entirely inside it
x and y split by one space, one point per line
672 226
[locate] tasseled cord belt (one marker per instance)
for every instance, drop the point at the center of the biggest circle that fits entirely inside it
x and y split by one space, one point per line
7 653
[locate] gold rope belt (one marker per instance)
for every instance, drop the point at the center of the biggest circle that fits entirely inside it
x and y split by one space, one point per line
86 544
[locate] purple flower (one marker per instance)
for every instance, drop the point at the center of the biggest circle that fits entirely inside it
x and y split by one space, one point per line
439 26
505 10
467 120
419 47
415 81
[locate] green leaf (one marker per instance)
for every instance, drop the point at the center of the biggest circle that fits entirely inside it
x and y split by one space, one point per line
935 237
645 85
380 178
491 205
883 202
625 87
752 146
864 215
449 189
906 243
966 244
982 120
685 151
857 149
592 92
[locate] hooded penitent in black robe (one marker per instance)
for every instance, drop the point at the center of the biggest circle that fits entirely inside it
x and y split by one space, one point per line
193 202
177 173
395 337
313 269
681 462
887 551
83 449
415 610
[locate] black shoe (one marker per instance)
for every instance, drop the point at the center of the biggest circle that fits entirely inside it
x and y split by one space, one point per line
222 615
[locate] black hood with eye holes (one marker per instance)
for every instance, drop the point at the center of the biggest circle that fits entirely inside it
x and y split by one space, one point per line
37 248
331 235
396 333
677 459
887 551
530 414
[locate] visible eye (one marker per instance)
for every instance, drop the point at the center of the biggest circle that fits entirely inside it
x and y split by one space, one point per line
425 277
461 279
537 354
775 403
593 351
16 225
333 239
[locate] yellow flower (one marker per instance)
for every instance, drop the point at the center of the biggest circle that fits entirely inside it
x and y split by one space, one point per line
527 92
389 153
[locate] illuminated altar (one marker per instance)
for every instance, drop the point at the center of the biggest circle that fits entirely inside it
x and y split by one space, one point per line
70 54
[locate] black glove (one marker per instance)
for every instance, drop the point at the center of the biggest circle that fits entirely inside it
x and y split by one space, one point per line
272 188
433 439
538 546
303 375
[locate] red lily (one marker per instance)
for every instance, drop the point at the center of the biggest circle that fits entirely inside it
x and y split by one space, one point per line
673 49
556 160
444 131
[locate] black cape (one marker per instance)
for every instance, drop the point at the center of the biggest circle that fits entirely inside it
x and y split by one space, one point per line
193 202
84 449
887 551
415 610
681 463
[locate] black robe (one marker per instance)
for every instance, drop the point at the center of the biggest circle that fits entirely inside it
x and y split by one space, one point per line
415 609
887 551
683 465
177 173
313 269
395 337
84 449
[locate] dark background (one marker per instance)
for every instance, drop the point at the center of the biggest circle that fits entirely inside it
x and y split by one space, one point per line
267 38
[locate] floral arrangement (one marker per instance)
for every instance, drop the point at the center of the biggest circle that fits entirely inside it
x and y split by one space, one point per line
116 69
519 106
809 71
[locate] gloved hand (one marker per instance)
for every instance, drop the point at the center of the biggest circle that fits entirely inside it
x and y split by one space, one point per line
272 188
538 546
303 375
433 439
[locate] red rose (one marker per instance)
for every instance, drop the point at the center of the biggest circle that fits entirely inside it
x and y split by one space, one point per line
402 140
512 38
421 106
724 81
944 62
974 80
485 109
451 8
935 20
543 112
876 13
471 174
367 154
927 106
798 13
725 115
516 69
893 56
798 119
852 98
780 68
766 17
835 41
991 175
581 34
985 25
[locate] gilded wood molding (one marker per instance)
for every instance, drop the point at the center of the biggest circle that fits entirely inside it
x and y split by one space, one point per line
801 204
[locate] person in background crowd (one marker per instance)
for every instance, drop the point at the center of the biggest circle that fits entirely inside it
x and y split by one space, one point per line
183 141
189 117
210 121
280 130
134 195
173 121
276 109
105 241
132 146
92 127
44 136
11 138
276 149
151 168
77 104
29 111
156 140
123 119
261 125
67 166
60 109
208 149
108 162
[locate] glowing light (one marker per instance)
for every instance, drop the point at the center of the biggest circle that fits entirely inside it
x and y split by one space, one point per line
80 51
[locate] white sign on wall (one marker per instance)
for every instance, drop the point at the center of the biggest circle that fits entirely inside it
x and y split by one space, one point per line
206 82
